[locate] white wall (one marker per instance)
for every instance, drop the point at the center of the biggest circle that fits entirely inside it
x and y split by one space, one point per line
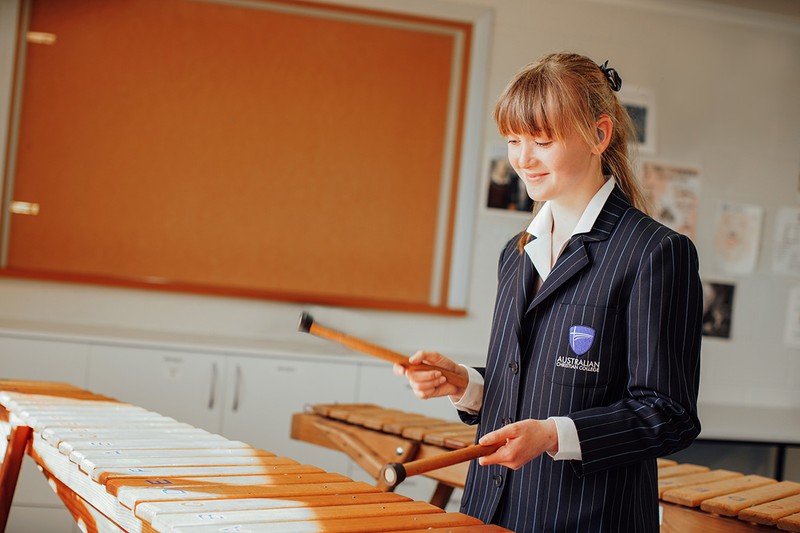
725 82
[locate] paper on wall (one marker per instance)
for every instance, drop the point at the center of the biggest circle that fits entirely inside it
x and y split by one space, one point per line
737 232
786 255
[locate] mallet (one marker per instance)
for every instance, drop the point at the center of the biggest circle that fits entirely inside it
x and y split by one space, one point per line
308 325
394 473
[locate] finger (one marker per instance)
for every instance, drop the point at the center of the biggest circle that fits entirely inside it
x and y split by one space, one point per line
500 456
498 435
418 358
398 370
428 387
423 374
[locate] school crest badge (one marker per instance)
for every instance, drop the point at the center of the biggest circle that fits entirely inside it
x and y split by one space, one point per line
581 339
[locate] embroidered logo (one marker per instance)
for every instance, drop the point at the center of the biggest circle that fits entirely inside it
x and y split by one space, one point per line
580 339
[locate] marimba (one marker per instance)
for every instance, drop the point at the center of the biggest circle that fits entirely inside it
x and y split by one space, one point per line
119 467
728 501
373 436
693 498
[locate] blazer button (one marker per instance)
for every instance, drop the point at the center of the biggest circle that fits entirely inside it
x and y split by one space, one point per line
507 421
498 481
514 367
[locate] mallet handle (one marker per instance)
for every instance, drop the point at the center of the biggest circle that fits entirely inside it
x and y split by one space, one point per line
307 324
394 473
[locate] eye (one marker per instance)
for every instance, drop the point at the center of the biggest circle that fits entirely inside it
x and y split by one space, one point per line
512 140
543 144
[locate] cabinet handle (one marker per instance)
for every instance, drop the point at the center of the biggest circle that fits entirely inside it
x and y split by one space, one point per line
213 392
236 388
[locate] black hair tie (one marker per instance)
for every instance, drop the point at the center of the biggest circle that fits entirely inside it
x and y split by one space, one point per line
612 75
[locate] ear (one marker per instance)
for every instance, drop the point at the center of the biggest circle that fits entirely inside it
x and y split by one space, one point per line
605 127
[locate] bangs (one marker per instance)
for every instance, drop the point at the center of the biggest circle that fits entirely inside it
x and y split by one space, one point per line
534 105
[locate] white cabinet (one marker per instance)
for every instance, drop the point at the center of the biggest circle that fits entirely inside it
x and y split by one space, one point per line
263 393
184 385
36 507
43 360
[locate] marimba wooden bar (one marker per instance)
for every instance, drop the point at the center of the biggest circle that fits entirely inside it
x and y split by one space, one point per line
693 498
118 467
373 436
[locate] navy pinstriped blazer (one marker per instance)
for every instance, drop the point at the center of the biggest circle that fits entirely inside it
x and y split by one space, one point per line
632 395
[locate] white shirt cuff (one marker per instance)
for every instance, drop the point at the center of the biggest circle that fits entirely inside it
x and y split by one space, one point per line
472 400
569 447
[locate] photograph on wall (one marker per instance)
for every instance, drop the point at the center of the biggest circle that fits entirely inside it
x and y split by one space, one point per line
506 190
640 104
737 233
673 193
717 309
786 253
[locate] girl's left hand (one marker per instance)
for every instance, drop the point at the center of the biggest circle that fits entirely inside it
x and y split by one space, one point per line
524 441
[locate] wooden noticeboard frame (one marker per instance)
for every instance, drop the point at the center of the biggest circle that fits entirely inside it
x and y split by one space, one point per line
266 148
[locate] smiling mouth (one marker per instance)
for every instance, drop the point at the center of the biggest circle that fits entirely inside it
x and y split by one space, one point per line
535 177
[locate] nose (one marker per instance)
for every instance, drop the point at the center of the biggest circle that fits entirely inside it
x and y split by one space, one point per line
526 154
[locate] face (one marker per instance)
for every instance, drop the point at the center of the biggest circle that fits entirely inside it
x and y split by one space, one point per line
563 171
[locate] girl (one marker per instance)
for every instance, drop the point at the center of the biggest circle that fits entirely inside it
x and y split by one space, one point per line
595 345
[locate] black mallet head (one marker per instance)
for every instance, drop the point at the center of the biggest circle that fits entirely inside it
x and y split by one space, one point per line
393 474
305 322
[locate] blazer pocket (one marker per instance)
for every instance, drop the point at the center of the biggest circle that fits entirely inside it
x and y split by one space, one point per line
583 346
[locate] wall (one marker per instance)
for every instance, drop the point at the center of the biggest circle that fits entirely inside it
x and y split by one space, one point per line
725 82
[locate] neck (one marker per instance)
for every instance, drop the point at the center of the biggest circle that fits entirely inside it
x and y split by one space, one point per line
568 211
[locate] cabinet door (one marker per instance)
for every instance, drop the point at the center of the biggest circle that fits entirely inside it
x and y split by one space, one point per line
43 360
183 385
263 394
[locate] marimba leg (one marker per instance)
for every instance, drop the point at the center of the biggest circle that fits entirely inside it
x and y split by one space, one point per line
9 470
441 496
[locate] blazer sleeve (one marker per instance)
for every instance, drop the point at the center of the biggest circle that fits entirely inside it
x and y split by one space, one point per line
657 414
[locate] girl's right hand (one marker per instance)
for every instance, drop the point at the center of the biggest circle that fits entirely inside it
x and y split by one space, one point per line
429 382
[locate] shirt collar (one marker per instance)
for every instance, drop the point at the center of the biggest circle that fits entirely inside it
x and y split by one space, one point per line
542 223
541 227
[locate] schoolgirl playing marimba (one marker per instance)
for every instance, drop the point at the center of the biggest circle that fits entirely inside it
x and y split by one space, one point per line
595 343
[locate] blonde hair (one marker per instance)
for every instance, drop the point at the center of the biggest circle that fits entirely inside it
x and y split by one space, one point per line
563 93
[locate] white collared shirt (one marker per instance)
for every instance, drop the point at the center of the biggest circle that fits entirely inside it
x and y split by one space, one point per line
539 251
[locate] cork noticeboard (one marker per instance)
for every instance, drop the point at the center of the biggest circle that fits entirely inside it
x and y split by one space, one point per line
275 149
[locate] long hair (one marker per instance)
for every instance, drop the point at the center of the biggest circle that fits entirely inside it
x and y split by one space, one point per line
563 93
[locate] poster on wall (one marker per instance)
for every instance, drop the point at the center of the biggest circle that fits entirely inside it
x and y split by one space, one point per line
673 193
506 191
786 253
792 330
639 102
717 309
737 233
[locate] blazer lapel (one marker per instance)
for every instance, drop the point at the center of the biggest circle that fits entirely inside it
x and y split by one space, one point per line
526 279
572 261
575 256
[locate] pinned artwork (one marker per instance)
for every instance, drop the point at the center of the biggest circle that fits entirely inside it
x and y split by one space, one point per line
792 330
786 253
639 102
673 194
717 309
737 233
506 190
